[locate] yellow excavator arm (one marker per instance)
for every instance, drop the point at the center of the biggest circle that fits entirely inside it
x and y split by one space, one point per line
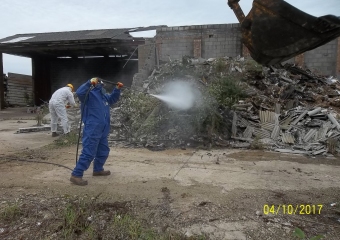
275 31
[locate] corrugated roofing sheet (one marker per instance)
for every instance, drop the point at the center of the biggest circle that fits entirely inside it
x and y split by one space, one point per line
267 116
287 138
119 34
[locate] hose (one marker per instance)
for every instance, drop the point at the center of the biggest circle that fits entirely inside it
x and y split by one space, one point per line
81 120
35 161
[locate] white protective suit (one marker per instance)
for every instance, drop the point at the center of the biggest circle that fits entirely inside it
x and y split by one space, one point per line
59 99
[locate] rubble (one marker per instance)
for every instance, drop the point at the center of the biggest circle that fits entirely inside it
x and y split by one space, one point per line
288 108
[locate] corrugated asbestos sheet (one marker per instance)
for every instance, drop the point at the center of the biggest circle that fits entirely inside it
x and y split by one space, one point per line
234 128
267 116
268 126
278 108
322 132
275 133
309 135
243 122
287 138
261 133
299 118
248 132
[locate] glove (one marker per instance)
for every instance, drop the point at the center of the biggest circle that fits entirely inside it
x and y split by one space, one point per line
94 81
120 85
68 106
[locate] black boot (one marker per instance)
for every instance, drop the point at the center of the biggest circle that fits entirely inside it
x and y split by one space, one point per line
54 134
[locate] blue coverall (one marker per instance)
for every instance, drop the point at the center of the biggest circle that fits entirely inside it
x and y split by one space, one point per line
96 118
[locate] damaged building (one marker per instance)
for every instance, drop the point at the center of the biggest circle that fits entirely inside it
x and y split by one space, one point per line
62 57
73 57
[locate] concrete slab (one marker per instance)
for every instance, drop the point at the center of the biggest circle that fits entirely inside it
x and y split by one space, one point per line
11 141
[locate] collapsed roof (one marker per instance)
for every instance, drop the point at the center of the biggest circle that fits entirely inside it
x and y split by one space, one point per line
103 42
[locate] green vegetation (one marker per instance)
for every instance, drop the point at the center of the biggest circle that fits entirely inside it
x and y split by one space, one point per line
81 218
67 140
227 90
257 144
301 235
136 107
11 213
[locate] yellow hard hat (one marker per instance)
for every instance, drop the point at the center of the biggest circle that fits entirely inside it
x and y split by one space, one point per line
70 85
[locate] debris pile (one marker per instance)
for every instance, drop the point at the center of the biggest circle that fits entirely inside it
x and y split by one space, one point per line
299 130
285 108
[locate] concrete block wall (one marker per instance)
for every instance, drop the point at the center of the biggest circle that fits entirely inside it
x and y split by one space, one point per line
323 59
77 71
218 40
146 63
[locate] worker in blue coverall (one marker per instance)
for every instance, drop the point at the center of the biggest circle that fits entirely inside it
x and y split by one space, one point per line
96 118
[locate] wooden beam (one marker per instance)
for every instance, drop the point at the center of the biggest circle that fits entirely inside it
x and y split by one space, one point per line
55 48
2 90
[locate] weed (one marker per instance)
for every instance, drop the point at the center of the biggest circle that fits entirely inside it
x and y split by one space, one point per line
67 140
227 90
136 108
257 144
76 218
253 66
332 145
301 235
81 219
220 65
125 227
11 213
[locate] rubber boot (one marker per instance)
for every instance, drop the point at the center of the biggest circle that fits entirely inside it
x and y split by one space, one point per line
78 180
101 173
54 134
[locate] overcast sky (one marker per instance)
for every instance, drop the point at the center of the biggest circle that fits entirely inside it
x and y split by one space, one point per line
36 16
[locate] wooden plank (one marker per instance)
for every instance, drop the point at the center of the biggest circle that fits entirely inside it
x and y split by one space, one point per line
22 89
19 83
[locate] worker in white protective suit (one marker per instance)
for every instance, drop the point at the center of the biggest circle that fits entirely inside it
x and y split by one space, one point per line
61 99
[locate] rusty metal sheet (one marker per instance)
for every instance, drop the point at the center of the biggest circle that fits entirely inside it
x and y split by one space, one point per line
292 31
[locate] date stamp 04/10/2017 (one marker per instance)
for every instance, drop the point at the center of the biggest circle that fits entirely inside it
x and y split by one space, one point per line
292 209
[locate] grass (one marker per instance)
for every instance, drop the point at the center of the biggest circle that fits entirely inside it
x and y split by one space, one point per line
11 213
67 140
76 219
126 227
81 219
257 144
227 90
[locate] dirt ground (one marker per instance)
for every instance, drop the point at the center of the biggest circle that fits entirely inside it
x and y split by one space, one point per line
222 193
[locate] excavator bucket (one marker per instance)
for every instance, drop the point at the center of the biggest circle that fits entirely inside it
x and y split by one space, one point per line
275 31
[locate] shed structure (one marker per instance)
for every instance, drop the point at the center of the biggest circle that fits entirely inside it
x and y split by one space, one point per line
73 57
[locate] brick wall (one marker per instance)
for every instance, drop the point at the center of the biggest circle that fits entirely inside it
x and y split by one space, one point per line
77 71
217 40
